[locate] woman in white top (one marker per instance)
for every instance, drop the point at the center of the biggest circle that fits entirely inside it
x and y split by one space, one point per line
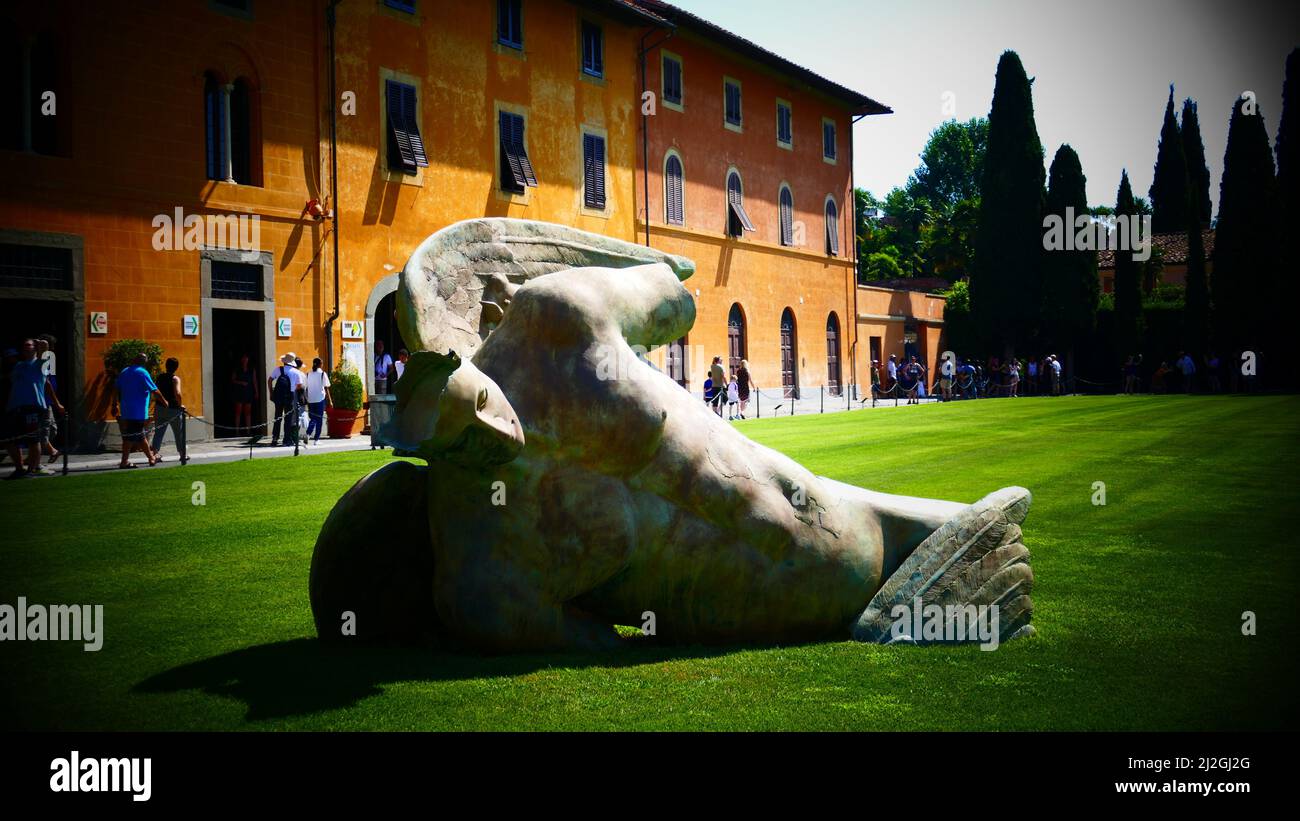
318 397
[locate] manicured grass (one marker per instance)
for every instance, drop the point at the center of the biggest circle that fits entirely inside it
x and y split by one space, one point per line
1138 603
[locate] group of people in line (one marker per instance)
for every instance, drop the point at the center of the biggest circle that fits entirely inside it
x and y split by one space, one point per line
965 380
731 391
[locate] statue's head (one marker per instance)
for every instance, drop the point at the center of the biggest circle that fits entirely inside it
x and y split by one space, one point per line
449 410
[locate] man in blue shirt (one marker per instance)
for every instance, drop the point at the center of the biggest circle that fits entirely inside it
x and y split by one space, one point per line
29 392
135 387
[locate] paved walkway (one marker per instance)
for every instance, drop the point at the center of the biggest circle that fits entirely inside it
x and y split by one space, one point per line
762 405
220 450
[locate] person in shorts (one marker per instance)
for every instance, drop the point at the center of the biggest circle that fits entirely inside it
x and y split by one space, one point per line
30 395
136 387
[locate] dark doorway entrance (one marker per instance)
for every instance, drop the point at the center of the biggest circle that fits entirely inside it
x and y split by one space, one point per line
28 319
675 359
386 329
235 333
735 337
833 355
789 352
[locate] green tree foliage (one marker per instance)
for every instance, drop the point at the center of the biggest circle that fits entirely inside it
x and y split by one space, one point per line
1169 183
952 163
1128 287
1006 282
1245 249
1198 172
881 266
124 351
1070 284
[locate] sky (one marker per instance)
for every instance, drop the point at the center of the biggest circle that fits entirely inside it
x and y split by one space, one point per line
1101 70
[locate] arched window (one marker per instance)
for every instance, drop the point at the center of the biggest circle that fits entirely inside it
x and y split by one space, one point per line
674 208
787 215
789 355
230 130
214 121
832 228
737 219
241 132
736 337
833 354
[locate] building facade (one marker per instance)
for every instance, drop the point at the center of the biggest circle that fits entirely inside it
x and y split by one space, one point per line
230 178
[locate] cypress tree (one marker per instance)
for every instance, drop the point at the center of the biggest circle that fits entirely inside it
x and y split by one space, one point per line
1128 286
1245 245
1006 280
1198 172
1196 305
1169 184
1288 142
1070 285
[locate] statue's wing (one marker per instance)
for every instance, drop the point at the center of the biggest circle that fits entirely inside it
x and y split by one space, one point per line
442 286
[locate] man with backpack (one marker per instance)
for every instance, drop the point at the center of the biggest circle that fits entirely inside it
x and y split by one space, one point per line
285 383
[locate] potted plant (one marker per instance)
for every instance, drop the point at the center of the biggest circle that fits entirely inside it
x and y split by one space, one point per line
347 391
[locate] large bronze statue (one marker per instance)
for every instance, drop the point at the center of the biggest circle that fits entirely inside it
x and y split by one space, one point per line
570 486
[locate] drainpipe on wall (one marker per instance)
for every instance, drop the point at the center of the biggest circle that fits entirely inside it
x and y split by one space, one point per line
334 184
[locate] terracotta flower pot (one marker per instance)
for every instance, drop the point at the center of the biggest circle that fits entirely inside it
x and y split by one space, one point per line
342 422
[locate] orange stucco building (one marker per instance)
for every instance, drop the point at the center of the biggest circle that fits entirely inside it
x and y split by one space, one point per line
337 136
90 182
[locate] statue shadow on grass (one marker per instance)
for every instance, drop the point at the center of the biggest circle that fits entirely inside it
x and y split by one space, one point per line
303 676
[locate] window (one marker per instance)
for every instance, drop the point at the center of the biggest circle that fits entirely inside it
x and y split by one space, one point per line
236 280
230 140
593 171
510 27
784 128
737 219
214 115
593 50
731 102
243 9
787 215
832 228
516 170
407 6
241 133
405 146
35 266
674 210
828 139
29 72
672 69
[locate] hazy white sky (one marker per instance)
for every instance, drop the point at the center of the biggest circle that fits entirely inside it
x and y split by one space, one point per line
1102 69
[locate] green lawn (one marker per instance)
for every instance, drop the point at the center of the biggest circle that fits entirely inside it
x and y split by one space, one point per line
1138 604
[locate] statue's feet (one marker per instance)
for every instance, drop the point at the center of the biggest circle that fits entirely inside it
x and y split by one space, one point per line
975 559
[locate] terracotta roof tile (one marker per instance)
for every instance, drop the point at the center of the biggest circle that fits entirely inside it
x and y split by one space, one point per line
1172 246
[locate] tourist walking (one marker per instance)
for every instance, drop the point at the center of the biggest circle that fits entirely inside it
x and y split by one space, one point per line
30 395
318 398
172 413
743 385
383 366
135 388
1187 368
285 382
